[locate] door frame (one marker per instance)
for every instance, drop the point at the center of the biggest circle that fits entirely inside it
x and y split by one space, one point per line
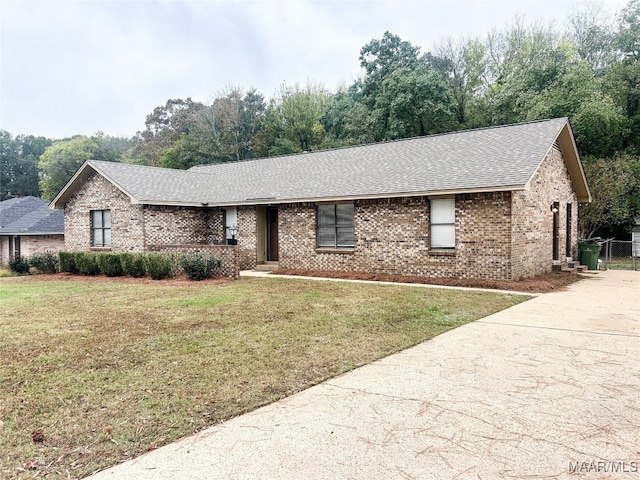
272 235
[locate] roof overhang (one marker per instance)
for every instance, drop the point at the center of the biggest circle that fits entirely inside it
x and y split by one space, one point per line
29 234
344 198
574 165
84 172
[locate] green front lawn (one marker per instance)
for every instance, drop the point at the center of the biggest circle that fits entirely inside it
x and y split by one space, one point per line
94 371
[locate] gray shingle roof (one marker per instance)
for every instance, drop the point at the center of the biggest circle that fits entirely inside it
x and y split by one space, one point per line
498 158
29 216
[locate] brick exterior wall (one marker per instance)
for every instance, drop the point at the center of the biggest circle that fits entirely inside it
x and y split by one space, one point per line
392 237
146 228
127 220
499 235
532 220
31 244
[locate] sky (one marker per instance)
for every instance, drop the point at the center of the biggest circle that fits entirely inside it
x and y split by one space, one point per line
80 67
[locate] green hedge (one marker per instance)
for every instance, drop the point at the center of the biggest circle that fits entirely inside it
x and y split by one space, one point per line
87 263
159 265
19 265
46 262
109 264
198 266
133 264
67 262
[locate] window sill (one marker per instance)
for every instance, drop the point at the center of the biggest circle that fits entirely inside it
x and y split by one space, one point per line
100 249
345 250
443 252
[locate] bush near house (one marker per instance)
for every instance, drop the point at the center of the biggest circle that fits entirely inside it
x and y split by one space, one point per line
67 262
198 266
19 265
87 263
109 264
46 262
133 264
160 266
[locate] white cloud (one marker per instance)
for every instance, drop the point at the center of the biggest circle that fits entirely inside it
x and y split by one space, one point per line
73 67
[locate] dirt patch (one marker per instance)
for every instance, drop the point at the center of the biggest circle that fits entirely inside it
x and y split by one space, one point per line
545 283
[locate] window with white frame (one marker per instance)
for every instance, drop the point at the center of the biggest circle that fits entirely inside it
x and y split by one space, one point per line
335 226
443 223
101 228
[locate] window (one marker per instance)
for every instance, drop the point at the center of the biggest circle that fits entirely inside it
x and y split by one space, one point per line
335 226
443 223
101 226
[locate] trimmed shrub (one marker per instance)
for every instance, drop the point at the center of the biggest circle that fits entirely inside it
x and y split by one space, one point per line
133 264
159 266
46 262
19 265
109 264
68 262
198 266
87 263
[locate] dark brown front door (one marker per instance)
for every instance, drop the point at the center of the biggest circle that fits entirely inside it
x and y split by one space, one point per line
556 229
272 234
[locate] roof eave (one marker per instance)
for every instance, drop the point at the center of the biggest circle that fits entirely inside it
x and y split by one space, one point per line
574 165
31 234
83 173
341 198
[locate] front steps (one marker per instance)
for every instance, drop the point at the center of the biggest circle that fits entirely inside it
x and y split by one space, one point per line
568 265
266 267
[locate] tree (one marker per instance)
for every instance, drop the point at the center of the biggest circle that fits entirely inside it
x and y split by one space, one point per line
462 64
292 121
19 164
63 158
164 127
615 188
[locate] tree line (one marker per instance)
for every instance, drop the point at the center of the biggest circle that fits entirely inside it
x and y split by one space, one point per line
588 71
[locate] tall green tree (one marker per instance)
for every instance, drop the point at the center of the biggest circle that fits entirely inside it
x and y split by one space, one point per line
19 164
293 119
63 158
164 127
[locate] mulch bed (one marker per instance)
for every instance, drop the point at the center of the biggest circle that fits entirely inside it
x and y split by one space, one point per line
545 283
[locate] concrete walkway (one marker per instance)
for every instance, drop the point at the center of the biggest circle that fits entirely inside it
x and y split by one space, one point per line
541 390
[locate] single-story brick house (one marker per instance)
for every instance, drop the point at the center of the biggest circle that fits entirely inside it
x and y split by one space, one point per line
496 203
28 226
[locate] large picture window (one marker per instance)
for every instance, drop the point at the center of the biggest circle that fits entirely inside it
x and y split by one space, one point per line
335 225
101 228
443 223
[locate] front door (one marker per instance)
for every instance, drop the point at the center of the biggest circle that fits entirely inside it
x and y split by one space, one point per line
556 230
272 234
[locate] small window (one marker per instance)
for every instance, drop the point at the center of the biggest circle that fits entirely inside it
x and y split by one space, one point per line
443 223
101 226
335 226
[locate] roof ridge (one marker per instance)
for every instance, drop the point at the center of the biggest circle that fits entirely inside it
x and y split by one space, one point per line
383 142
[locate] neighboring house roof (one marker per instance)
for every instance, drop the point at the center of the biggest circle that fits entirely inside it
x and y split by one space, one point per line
29 216
489 159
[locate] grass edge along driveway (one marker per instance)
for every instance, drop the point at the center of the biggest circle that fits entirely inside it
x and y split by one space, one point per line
94 371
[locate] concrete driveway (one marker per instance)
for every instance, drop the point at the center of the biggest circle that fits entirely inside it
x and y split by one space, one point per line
549 388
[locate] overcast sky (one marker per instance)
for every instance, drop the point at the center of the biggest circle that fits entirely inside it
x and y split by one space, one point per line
79 67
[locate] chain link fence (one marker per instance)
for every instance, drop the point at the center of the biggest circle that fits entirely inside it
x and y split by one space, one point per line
619 255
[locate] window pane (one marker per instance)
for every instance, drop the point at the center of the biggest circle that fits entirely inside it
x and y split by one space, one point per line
344 214
326 236
326 215
443 236
345 236
97 237
106 218
443 210
97 218
107 236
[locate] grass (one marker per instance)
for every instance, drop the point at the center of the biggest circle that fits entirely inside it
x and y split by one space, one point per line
94 371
